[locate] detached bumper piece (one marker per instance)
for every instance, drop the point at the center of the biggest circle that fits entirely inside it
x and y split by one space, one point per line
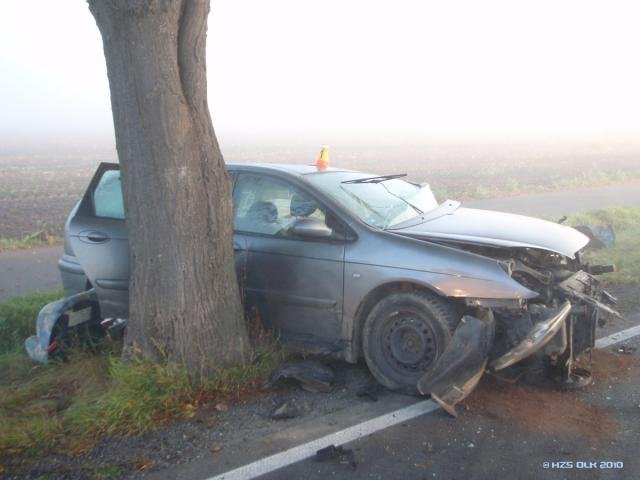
538 337
59 316
459 368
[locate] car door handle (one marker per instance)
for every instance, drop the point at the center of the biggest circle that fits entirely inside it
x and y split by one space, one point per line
97 237
237 246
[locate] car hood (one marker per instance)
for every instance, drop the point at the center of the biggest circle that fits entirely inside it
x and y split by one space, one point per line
486 227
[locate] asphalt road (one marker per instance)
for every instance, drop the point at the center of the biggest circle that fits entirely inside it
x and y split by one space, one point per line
483 443
28 271
565 202
33 270
503 431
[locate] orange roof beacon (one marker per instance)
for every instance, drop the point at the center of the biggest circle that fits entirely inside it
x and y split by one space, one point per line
323 159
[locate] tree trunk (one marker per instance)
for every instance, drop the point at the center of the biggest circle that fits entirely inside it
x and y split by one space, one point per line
184 299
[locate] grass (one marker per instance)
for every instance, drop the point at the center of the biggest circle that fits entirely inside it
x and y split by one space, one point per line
626 252
38 239
68 406
18 318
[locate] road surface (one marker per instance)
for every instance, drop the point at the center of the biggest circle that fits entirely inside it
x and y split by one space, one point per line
503 431
33 270
565 202
28 271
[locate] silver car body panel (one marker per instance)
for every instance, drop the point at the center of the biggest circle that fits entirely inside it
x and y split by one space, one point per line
487 227
318 286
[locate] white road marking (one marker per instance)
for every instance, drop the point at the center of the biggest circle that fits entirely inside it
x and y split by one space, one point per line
618 337
306 450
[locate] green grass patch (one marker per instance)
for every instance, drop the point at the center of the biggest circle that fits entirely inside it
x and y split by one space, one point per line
626 252
38 239
33 400
143 395
18 318
68 405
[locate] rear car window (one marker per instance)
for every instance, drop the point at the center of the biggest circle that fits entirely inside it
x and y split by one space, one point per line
107 197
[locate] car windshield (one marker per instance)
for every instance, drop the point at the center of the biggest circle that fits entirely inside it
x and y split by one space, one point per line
380 201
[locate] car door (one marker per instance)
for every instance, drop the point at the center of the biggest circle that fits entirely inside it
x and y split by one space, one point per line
296 282
98 238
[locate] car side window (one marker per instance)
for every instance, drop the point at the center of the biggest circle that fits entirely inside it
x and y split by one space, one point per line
107 196
269 206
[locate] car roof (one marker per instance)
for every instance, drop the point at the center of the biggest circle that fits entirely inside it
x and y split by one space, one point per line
294 169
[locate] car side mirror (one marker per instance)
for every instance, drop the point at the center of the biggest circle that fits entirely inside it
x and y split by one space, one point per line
311 228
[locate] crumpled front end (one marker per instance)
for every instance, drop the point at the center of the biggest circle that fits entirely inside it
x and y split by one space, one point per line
552 329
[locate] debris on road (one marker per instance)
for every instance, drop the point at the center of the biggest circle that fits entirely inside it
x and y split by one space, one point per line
215 449
284 411
626 349
343 455
370 392
221 407
312 376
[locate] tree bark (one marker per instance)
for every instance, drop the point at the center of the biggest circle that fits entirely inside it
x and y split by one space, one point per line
184 299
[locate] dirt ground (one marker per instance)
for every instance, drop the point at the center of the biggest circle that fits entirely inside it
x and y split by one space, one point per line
38 191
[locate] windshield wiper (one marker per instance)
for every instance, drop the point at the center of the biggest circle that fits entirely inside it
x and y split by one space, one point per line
378 179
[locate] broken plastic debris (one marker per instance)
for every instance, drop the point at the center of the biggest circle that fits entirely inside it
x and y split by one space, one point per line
626 349
370 392
284 411
313 376
343 455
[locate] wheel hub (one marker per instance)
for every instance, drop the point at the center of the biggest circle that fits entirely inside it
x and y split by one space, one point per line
410 343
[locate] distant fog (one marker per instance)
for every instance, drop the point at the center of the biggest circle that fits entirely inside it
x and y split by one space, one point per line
413 79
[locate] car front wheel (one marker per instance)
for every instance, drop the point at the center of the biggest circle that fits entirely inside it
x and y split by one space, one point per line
404 334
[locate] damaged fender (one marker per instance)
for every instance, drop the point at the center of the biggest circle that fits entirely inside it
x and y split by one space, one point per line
459 368
37 346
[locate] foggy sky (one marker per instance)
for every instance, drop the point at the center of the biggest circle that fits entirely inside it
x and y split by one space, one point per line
336 69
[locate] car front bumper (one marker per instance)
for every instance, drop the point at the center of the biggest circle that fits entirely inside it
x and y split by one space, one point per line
538 337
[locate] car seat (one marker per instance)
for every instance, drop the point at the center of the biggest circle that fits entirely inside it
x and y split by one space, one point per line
302 206
262 217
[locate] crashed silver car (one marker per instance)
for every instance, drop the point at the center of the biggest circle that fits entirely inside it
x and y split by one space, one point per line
353 264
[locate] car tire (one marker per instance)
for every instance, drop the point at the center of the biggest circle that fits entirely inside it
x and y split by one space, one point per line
403 336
